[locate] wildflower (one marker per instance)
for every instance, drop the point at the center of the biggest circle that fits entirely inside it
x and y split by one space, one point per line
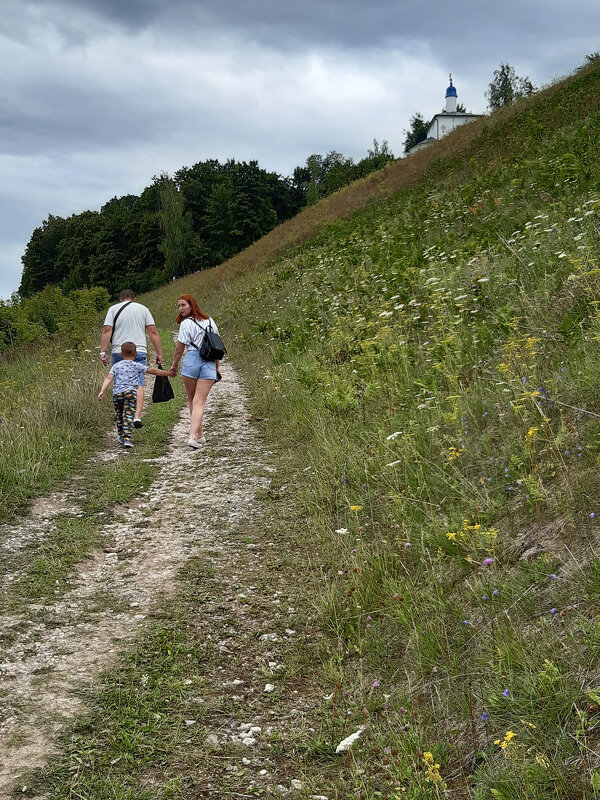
465 622
487 561
553 611
375 684
347 743
451 536
484 596
507 739
495 592
432 771
592 515
342 530
356 508
453 453
530 435
506 693
484 716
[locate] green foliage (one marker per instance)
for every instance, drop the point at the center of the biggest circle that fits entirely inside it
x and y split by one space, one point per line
431 359
324 175
416 133
50 314
507 86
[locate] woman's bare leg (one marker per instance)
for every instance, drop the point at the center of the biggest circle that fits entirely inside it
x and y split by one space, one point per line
190 389
203 387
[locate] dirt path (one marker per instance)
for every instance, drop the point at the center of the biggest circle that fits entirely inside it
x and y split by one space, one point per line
46 664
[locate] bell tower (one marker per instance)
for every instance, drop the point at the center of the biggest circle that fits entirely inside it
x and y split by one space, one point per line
451 98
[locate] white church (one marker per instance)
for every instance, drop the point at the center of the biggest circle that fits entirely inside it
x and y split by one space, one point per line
449 119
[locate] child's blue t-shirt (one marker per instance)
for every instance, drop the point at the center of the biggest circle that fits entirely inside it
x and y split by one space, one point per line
127 375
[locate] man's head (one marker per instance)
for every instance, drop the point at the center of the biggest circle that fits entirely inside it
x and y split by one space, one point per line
127 294
128 350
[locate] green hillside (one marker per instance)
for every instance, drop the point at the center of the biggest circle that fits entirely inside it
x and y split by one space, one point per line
434 357
422 352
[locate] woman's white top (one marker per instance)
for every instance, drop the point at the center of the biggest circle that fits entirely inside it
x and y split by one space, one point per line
191 332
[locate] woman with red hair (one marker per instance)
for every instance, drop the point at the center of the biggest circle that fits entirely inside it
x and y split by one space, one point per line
198 375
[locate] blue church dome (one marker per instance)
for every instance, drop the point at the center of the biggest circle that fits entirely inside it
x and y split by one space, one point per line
451 91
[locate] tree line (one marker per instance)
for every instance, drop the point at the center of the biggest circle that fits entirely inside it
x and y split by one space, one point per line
194 220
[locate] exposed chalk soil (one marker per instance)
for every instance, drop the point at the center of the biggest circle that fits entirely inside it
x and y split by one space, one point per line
53 653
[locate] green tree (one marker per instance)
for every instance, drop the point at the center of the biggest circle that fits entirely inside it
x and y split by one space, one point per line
40 255
507 86
176 227
376 158
416 133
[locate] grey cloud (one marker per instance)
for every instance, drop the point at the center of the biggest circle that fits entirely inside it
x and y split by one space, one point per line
350 23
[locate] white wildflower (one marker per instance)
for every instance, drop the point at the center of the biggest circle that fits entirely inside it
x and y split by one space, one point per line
347 743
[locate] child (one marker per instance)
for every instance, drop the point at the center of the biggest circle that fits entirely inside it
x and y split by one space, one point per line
126 374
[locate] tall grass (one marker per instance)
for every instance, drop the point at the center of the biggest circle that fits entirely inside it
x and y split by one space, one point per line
50 419
437 358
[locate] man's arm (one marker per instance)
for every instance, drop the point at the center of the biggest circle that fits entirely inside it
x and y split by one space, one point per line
155 339
104 342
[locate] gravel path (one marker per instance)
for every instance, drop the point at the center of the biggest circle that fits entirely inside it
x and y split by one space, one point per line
45 665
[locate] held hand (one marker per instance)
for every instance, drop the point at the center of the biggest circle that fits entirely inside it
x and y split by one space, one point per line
101 395
104 359
172 372
159 361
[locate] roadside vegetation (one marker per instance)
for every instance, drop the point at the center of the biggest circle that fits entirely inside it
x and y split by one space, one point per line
429 366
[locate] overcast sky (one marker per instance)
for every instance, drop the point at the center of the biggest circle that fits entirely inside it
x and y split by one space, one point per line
97 96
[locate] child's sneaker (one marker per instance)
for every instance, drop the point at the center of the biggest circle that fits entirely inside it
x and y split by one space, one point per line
128 444
119 439
137 423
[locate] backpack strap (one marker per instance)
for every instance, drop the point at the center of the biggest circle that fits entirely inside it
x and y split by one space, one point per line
204 330
117 315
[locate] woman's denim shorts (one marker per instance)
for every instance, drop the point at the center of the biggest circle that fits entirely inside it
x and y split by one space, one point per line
193 366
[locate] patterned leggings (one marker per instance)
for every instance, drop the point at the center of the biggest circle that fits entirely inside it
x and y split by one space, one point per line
124 403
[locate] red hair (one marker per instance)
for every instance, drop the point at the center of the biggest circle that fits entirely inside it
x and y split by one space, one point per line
197 313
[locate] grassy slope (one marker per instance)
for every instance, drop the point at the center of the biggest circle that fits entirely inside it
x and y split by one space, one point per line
428 352
419 363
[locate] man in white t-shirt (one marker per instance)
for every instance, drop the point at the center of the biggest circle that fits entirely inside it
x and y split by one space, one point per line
128 321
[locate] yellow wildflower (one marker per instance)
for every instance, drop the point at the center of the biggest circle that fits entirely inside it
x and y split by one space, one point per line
432 771
530 435
356 508
453 453
506 741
